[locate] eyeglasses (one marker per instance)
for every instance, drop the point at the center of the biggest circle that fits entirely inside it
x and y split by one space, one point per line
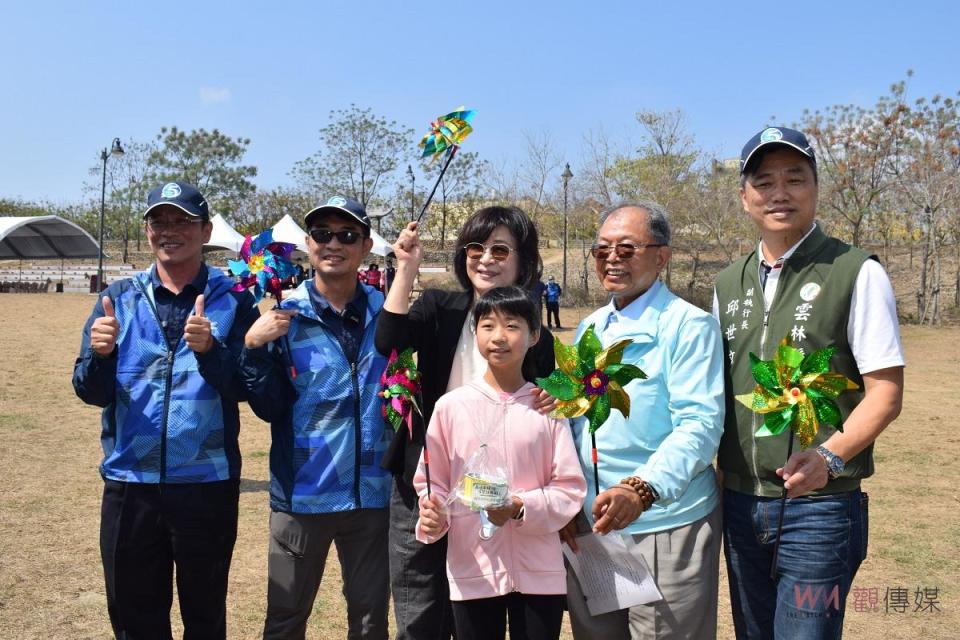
177 224
324 236
498 251
625 250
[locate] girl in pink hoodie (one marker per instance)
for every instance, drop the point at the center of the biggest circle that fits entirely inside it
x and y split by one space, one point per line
518 571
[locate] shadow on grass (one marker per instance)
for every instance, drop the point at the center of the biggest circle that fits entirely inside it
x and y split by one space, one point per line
252 486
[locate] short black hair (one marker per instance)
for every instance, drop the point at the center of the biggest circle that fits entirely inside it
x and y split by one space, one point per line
507 300
478 228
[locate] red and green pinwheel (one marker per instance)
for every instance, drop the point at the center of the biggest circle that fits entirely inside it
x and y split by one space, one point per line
796 391
589 381
400 384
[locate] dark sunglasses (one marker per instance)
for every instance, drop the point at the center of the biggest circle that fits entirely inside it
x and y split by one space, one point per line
498 252
323 236
624 250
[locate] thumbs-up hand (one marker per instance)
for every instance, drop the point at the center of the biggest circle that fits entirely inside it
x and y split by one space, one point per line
197 332
104 330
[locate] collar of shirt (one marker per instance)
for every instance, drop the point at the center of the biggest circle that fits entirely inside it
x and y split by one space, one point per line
199 283
634 310
326 311
786 255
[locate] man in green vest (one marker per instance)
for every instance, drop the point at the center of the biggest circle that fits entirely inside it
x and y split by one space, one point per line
818 291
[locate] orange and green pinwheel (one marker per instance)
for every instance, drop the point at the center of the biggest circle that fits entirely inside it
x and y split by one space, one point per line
796 391
589 379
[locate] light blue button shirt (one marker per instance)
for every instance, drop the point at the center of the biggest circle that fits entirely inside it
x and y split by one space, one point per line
676 414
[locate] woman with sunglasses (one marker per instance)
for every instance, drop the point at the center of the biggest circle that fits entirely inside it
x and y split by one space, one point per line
497 247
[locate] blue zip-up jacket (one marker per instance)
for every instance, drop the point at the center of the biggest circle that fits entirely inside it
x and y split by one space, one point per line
168 416
327 428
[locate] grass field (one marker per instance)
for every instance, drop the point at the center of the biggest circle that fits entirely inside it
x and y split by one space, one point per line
51 583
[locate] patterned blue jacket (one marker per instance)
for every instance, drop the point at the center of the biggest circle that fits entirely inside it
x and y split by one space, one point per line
168 416
326 423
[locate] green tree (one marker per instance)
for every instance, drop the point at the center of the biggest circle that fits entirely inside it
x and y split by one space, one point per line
209 160
360 153
264 209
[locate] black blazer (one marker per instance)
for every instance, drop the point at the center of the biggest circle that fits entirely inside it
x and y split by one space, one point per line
432 328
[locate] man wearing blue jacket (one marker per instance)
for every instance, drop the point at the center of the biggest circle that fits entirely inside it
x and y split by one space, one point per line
657 482
159 354
320 396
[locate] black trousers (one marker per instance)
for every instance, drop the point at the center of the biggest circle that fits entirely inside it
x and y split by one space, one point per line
553 310
532 617
146 530
418 573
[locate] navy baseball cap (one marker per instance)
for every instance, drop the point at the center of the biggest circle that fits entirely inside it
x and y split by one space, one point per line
181 195
780 136
342 205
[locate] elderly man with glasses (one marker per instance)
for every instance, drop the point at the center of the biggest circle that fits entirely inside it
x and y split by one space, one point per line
159 354
657 482
318 389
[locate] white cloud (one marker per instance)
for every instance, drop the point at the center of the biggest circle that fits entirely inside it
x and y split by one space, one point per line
213 95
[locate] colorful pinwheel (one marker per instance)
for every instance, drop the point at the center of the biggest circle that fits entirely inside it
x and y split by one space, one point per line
589 381
796 391
446 132
401 384
265 264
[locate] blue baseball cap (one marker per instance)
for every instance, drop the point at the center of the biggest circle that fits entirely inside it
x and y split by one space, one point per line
341 205
181 195
779 136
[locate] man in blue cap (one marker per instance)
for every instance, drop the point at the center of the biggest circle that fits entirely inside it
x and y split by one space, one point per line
819 292
326 483
159 354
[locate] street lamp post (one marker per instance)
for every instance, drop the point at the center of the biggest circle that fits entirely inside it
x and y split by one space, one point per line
116 151
413 192
567 174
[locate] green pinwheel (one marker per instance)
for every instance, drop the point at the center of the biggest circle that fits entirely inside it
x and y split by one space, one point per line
796 391
589 381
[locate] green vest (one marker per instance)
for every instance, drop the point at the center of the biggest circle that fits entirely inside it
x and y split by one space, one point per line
812 306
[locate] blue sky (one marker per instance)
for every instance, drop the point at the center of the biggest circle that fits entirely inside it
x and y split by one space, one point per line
74 77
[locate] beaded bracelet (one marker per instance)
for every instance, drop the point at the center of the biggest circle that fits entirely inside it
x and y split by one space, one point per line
648 495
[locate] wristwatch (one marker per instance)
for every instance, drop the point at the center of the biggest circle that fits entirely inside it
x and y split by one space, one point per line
834 462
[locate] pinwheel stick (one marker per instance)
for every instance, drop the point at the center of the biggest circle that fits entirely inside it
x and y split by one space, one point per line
450 154
426 464
596 469
285 347
783 504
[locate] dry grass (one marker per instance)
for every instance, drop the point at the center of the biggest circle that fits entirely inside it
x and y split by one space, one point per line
51 583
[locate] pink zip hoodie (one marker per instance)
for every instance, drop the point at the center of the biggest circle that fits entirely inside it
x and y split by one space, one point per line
544 471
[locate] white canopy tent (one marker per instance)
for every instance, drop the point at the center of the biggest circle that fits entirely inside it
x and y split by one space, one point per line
224 236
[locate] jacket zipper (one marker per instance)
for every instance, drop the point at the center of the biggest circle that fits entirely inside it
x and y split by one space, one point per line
357 432
168 383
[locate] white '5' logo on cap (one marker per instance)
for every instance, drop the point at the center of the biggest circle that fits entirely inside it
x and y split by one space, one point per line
337 201
170 190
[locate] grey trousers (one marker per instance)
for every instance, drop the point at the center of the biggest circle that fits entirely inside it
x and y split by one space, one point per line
685 563
298 553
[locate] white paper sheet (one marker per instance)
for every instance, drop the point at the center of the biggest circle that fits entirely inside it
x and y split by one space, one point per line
610 576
